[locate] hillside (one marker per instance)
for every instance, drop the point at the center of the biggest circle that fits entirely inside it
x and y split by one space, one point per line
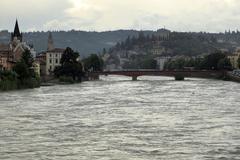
84 42
144 50
165 42
93 42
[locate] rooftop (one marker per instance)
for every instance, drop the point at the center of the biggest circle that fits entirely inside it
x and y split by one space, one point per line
4 47
56 50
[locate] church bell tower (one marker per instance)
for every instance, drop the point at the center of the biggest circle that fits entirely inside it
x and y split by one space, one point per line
50 42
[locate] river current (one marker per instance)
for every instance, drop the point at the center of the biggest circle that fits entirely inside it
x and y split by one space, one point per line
118 119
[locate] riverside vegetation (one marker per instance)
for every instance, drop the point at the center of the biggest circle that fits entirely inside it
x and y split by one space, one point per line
22 76
72 70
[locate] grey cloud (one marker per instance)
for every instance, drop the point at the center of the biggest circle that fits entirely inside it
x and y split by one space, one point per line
184 15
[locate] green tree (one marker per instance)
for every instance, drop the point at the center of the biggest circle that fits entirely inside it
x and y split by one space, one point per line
70 66
25 72
27 58
211 61
239 62
224 64
93 63
149 64
22 70
24 67
69 56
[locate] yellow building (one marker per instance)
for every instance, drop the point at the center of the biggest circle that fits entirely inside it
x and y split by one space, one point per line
234 59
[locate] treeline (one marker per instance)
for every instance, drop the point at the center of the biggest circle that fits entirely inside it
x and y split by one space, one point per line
22 76
142 41
179 43
214 61
141 62
82 41
73 70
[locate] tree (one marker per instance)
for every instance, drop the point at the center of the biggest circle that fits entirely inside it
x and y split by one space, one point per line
104 51
224 64
93 63
24 67
70 66
211 61
141 37
22 70
118 46
239 62
128 43
27 58
69 56
148 63
26 76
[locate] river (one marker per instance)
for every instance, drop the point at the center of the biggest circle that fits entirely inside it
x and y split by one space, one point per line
119 119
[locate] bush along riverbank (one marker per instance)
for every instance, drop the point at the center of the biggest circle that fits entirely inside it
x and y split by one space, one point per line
22 75
72 70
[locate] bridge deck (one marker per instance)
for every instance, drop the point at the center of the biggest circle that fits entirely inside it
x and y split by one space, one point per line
197 74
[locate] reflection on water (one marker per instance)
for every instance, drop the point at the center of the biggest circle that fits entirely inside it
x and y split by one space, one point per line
116 118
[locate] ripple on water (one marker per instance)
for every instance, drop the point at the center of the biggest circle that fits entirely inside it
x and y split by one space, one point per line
116 118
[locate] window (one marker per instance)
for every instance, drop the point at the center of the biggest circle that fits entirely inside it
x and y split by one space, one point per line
56 55
56 61
50 55
50 61
50 67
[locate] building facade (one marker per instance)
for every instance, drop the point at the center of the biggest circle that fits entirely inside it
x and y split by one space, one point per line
5 57
161 62
50 59
234 59
12 52
53 59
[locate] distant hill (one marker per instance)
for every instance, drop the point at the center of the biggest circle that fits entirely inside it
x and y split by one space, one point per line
84 42
143 50
94 42
164 42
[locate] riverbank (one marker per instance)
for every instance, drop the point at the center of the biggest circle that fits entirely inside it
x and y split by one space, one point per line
51 81
15 84
233 78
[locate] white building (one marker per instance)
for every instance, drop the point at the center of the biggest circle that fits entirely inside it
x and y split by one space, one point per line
234 58
53 58
161 62
50 59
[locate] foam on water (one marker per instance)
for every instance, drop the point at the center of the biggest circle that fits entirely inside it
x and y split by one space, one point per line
116 118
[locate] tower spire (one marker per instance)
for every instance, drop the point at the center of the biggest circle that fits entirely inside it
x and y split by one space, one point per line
16 32
50 42
16 29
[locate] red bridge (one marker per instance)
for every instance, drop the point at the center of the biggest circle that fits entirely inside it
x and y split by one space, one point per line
136 73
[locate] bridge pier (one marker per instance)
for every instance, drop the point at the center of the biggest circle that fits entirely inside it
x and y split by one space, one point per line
134 78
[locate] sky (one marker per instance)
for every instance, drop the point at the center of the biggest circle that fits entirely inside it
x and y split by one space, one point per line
103 15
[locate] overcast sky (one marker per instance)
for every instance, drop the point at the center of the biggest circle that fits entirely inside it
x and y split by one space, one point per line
101 15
